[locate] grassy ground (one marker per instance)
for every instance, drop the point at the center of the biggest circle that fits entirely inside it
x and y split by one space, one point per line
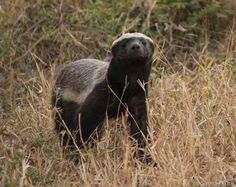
192 103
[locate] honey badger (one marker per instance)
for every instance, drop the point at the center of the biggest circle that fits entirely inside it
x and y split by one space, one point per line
88 90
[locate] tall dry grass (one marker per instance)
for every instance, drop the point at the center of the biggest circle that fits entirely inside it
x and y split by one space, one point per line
192 114
193 128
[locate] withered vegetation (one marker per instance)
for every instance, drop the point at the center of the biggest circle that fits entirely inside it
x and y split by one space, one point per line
192 103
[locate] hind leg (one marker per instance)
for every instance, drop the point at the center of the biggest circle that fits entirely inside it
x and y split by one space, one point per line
66 128
64 120
91 114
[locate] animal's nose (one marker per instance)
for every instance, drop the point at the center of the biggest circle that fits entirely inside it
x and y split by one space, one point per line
135 47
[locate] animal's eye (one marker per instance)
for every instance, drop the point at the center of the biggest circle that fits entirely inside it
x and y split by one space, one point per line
144 43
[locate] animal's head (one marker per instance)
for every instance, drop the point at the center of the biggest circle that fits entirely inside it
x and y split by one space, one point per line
133 47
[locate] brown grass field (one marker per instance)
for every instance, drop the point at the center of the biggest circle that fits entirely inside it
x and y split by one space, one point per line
192 102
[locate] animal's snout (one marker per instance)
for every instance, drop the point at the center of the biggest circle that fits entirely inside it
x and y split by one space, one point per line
136 50
135 46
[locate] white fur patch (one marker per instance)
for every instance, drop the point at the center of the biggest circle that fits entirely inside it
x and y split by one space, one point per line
132 35
69 95
79 95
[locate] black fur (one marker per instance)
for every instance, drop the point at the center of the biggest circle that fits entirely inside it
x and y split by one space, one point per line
120 90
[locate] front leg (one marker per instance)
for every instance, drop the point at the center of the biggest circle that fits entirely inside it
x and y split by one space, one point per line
138 120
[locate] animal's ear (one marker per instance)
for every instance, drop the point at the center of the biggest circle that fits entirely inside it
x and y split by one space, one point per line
114 50
152 46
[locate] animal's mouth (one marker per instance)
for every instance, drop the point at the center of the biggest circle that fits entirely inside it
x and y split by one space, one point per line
137 56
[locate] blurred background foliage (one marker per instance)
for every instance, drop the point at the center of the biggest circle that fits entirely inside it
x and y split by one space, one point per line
62 31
